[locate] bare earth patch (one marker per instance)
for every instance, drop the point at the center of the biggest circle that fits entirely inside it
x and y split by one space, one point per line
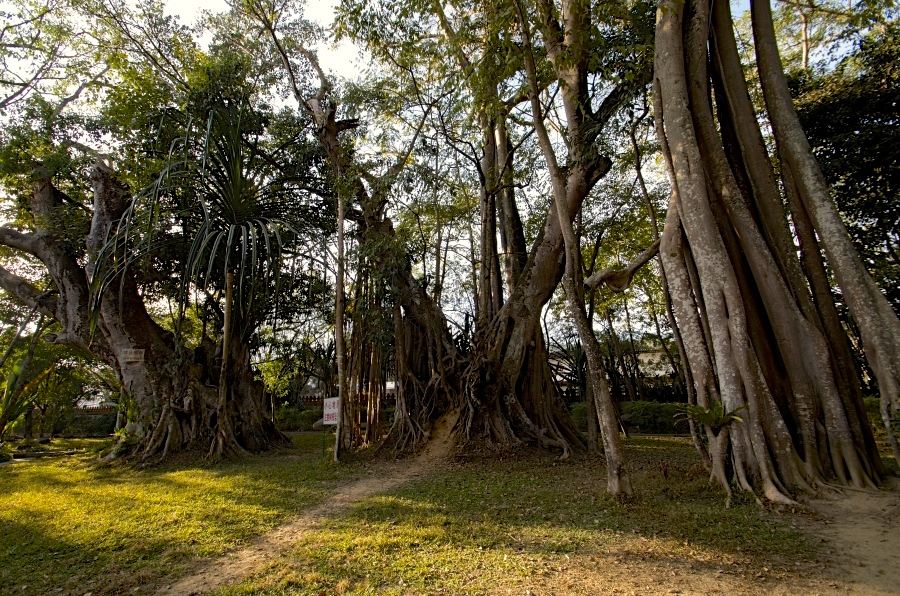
861 533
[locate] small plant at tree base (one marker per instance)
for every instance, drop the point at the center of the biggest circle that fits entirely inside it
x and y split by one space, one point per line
718 422
124 445
5 452
714 417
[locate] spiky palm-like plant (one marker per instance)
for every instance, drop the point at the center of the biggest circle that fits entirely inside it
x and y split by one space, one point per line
238 215
715 417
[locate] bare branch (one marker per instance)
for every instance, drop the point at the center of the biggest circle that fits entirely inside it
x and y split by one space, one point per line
20 241
404 157
618 280
24 292
312 104
67 100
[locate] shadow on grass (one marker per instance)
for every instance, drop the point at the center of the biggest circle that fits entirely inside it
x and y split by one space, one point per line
485 522
79 527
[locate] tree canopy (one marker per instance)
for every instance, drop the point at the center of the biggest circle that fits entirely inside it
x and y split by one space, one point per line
474 220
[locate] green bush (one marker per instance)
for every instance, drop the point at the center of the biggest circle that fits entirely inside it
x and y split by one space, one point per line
579 411
873 410
90 425
124 444
652 417
5 452
308 418
292 418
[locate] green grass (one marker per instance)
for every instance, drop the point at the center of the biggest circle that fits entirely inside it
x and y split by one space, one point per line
487 527
68 524
478 526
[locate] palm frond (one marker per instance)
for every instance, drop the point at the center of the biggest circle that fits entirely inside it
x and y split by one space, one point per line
241 216
714 417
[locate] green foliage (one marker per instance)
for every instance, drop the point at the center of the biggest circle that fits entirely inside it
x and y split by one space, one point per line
579 410
570 364
292 418
852 119
124 444
651 417
714 417
85 425
873 411
56 378
238 213
11 407
645 417
6 452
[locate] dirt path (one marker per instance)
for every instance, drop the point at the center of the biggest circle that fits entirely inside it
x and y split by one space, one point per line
861 533
230 568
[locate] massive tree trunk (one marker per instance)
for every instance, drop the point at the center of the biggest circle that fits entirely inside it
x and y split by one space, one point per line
752 336
509 394
174 410
877 321
567 48
504 388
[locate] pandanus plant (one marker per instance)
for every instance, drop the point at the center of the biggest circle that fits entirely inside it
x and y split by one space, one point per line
247 219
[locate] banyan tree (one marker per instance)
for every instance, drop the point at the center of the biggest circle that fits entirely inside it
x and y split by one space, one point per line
502 387
748 244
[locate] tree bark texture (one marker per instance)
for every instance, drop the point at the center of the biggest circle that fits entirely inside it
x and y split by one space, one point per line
174 410
877 321
752 335
567 52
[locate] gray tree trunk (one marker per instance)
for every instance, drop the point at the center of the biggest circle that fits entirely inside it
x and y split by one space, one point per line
877 321
762 348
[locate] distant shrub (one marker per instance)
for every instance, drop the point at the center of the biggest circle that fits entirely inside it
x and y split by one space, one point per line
579 411
638 416
90 425
293 418
651 417
5 452
308 418
873 410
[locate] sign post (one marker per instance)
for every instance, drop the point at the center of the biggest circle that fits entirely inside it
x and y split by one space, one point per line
330 415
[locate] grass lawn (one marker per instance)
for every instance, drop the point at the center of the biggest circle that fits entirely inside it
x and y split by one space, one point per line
501 527
478 526
69 526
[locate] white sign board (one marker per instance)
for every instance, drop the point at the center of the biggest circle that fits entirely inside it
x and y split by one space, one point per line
331 410
134 355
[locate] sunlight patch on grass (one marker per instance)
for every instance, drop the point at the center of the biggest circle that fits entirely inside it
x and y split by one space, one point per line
489 527
68 523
